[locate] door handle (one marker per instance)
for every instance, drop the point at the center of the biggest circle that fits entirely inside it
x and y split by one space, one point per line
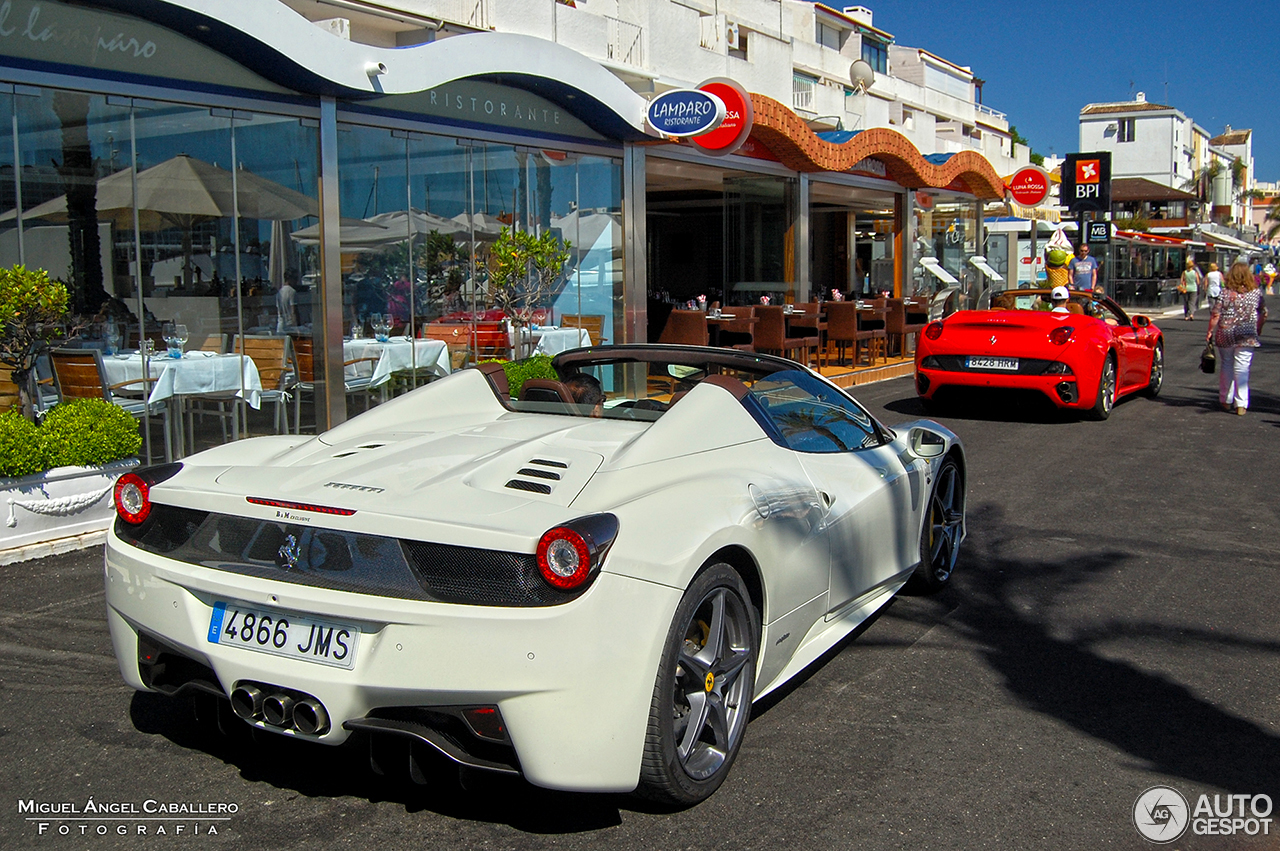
826 498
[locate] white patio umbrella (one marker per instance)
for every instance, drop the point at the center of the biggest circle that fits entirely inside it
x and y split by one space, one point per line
382 230
181 192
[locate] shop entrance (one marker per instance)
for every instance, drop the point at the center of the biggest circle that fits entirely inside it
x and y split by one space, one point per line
851 240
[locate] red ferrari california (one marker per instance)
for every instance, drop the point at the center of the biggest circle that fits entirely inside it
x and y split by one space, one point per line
1084 355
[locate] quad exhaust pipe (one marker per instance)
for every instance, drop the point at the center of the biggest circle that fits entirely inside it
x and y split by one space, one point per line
274 707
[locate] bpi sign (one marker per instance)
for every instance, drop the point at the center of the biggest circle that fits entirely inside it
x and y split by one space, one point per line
1086 183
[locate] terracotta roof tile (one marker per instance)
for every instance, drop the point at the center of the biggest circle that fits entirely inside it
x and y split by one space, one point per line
1123 106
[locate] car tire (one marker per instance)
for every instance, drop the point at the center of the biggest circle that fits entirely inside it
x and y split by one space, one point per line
941 531
702 696
1106 390
1156 380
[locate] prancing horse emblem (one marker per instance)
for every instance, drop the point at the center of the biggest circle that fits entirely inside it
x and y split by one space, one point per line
288 554
993 339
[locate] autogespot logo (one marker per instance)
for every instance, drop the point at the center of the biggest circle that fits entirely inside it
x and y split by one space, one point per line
1160 814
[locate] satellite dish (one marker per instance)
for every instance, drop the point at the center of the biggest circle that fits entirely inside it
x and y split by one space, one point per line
862 75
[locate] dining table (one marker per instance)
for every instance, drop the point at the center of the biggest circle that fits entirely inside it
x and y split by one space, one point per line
194 374
394 355
550 339
726 321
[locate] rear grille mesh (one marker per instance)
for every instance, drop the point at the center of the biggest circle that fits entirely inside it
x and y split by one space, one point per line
344 561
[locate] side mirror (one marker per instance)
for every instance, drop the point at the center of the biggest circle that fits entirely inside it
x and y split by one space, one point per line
1140 321
926 444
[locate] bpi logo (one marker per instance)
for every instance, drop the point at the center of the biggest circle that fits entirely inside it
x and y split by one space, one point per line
1088 171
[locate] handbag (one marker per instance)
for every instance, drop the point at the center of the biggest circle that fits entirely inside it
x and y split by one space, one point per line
1208 359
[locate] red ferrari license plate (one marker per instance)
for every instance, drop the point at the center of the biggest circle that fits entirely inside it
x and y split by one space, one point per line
983 362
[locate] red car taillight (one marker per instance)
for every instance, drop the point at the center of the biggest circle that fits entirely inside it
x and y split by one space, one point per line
933 330
1059 336
569 555
563 558
133 498
132 491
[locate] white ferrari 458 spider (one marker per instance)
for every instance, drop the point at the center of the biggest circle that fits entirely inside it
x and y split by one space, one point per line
586 585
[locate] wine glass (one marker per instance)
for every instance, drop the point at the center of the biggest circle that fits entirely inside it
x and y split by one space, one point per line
166 334
180 337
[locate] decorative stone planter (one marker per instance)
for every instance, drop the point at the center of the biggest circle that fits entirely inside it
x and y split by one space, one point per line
60 509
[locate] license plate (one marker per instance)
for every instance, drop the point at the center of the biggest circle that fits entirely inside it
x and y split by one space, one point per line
992 363
284 634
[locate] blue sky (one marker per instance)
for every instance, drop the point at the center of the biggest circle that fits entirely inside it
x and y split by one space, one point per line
1044 61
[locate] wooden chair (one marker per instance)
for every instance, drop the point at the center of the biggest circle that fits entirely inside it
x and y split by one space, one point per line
771 334
809 323
454 336
594 325
304 372
80 374
216 343
685 328
270 355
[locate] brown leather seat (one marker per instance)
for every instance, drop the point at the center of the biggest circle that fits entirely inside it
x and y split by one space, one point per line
545 390
843 328
897 326
686 328
771 336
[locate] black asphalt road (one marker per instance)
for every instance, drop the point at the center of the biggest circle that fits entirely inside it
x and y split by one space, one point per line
1114 625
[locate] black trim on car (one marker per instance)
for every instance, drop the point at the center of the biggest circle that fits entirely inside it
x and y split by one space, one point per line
345 561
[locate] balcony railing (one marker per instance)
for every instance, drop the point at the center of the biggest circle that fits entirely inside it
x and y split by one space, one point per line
626 42
983 109
802 92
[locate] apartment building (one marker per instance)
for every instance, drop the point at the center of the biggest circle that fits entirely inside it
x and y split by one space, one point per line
1162 144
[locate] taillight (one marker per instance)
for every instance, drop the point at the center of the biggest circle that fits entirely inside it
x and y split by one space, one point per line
1059 336
133 498
933 330
485 722
133 491
563 558
569 555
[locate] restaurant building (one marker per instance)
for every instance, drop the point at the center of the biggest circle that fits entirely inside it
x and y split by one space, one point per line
187 159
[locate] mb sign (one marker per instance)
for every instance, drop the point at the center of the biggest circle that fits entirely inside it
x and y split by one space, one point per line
1086 183
685 112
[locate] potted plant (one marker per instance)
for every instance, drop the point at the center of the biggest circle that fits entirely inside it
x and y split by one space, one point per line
56 477
34 311
524 270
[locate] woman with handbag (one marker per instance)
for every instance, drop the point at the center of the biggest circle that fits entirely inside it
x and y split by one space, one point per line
1234 326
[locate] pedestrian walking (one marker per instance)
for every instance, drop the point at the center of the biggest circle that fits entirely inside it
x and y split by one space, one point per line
1213 284
1084 269
1189 286
1235 323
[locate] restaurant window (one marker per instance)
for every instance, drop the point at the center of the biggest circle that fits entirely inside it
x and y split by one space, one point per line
209 259
420 216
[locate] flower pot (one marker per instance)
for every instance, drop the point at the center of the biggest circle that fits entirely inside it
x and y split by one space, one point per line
71 505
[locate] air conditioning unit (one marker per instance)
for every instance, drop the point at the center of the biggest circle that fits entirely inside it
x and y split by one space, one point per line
731 37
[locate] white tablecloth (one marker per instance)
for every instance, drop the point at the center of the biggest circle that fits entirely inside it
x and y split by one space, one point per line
196 373
546 340
394 355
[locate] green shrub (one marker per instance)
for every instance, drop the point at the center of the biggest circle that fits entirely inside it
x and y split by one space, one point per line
85 432
20 452
520 371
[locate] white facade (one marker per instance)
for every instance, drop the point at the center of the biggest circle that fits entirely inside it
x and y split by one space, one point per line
1162 144
796 52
